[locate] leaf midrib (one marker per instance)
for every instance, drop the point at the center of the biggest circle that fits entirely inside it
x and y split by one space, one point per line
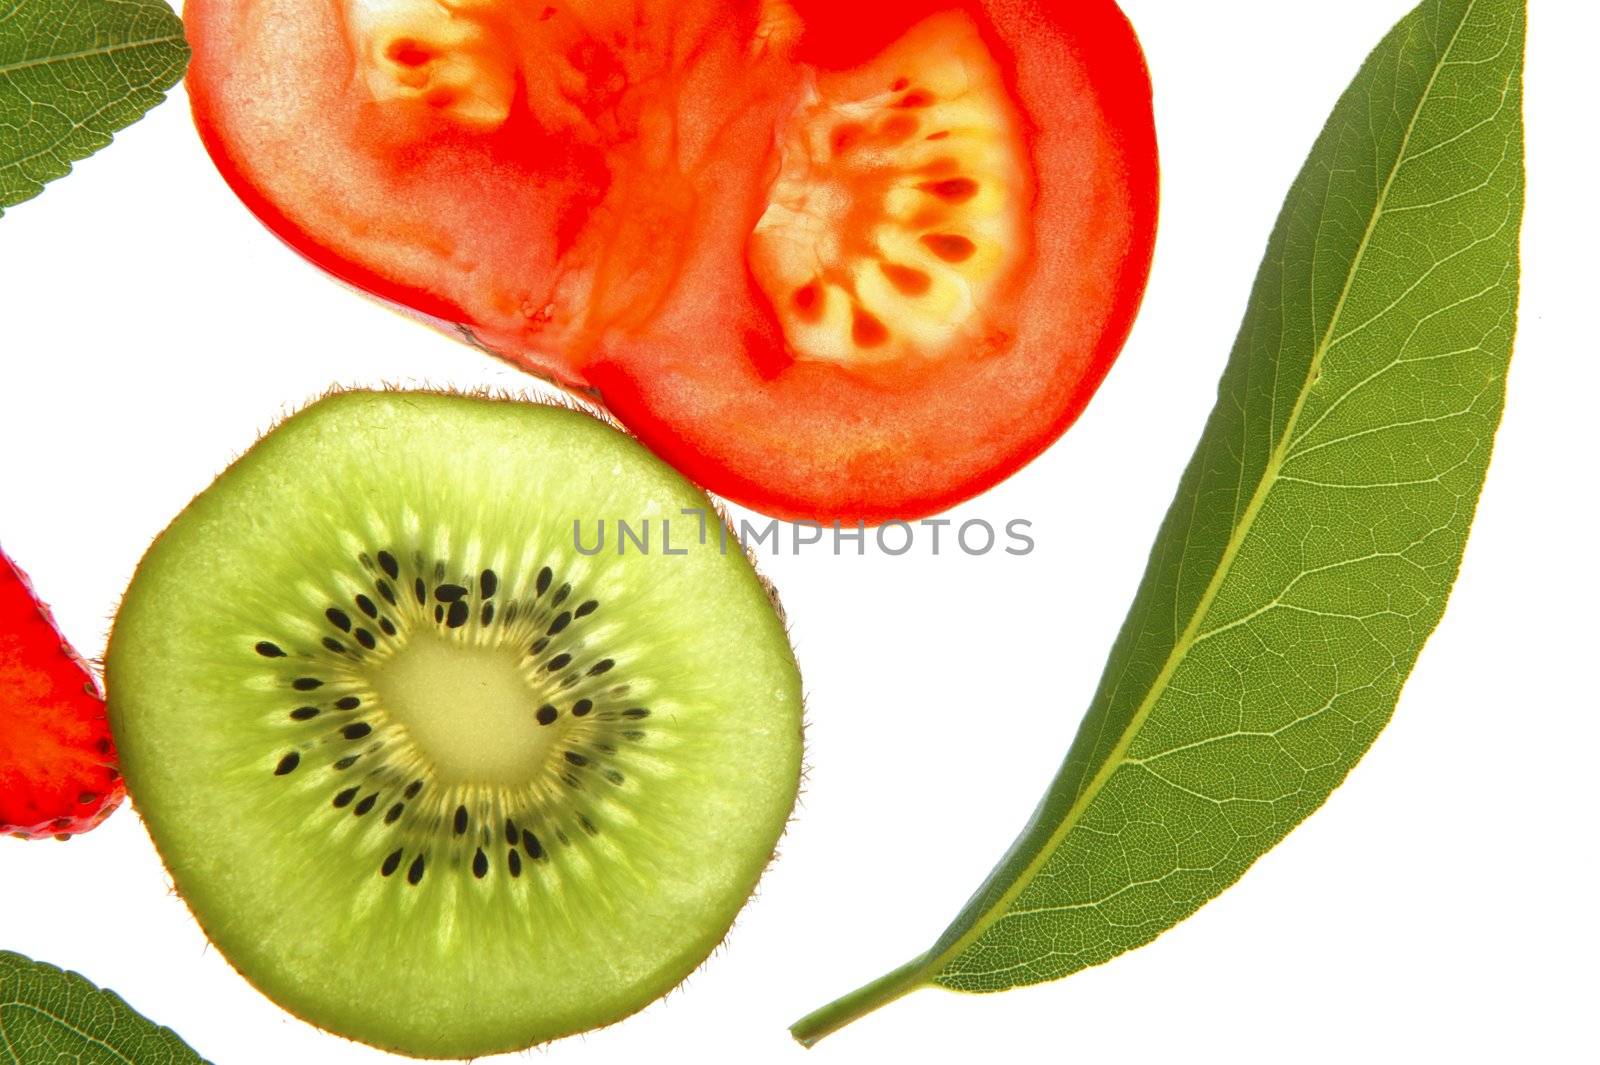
66 1025
1118 755
90 53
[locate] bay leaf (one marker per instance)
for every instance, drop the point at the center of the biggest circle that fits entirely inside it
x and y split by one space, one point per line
72 73
48 1016
1316 531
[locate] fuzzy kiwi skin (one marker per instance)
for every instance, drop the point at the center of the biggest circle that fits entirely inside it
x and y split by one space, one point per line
171 804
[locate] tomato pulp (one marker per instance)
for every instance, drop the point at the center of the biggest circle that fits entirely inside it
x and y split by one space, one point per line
834 260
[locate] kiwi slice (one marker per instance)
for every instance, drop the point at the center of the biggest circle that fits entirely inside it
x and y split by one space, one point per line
430 776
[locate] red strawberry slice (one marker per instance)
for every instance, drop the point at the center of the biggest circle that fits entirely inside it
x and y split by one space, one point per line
58 771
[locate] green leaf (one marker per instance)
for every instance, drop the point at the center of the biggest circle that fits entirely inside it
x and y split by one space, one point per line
51 1016
1315 534
72 73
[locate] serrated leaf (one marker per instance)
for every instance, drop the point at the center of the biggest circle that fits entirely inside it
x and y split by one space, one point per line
1315 534
72 73
48 1016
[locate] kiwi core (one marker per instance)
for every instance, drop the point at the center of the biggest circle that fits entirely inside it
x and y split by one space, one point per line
469 710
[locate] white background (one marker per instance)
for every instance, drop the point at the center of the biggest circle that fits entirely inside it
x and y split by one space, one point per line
1440 907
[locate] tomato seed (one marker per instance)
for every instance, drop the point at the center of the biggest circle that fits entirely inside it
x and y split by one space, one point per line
808 301
867 331
949 247
952 190
907 279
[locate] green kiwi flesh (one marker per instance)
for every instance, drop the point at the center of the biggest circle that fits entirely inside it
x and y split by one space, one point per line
427 775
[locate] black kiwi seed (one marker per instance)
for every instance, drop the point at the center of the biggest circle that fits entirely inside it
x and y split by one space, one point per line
514 861
561 661
542 584
365 806
391 863
480 864
307 684
338 617
346 762
461 820
562 620
530 843
333 645
287 764
421 589
636 712
349 702
487 583
366 639
390 566
413 789
367 606
356 731
387 626
304 713
539 645
345 797
385 590
575 758
459 612
269 650
487 616
414 874
511 832
438 615
561 595
602 666
587 608
582 707
547 715
394 813
449 593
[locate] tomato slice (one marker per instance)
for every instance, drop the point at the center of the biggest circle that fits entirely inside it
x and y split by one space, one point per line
836 261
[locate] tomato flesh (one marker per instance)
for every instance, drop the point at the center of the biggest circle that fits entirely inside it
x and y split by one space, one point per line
835 261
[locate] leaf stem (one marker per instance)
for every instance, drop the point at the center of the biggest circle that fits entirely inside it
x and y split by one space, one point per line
860 1002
